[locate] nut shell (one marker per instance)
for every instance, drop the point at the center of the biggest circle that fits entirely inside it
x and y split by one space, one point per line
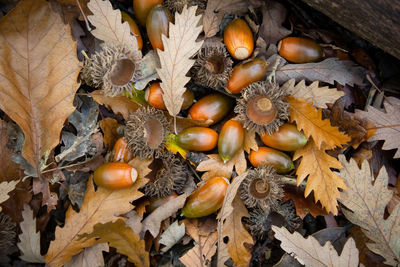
121 152
271 157
300 50
286 138
197 139
115 175
211 108
134 28
142 8
238 39
157 24
230 140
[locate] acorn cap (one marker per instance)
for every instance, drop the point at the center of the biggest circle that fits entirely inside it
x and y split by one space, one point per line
7 233
114 68
213 66
288 211
168 175
262 188
146 131
262 108
177 5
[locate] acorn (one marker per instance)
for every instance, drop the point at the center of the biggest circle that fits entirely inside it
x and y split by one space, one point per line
153 96
120 151
262 108
271 157
206 199
146 131
286 138
211 108
142 8
230 140
156 202
168 175
114 68
245 74
197 139
238 39
115 175
157 24
300 50
213 65
262 188
134 28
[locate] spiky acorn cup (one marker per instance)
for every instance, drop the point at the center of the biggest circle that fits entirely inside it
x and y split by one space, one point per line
145 132
288 211
177 5
168 175
262 188
213 66
114 68
262 107
7 233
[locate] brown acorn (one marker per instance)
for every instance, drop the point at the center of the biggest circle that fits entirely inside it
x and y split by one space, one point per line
262 107
281 162
246 73
197 139
157 24
300 50
211 108
238 39
230 140
120 151
286 138
115 175
142 8
145 132
153 96
134 28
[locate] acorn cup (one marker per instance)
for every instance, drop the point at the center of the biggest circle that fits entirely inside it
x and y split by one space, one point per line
230 140
115 175
134 28
286 138
197 139
281 162
206 199
238 39
211 108
300 50
142 8
157 24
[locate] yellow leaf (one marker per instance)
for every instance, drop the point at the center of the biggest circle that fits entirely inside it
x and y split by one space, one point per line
316 164
172 145
38 75
310 121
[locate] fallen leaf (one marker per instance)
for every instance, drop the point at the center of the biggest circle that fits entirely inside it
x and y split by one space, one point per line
249 142
99 206
273 14
319 96
310 120
109 127
152 222
134 221
309 252
215 11
109 25
366 203
13 206
172 236
29 243
148 70
121 237
315 164
328 70
91 256
175 60
9 169
5 188
387 124
49 198
38 76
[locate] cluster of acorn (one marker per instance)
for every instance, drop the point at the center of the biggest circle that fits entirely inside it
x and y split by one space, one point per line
261 108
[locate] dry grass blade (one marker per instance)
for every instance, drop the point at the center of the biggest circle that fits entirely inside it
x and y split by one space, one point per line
38 75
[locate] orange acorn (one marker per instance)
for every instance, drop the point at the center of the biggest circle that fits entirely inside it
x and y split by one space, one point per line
153 96
115 175
286 138
300 50
238 39
142 8
211 108
230 140
197 139
121 152
157 24
271 157
134 28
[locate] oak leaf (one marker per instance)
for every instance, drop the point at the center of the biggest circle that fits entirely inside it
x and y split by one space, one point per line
176 60
366 203
89 257
309 252
316 164
121 237
387 124
49 198
5 188
319 96
249 142
29 243
109 127
310 121
99 206
271 30
172 235
38 75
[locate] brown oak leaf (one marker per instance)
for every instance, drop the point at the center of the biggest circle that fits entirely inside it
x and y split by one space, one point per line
91 256
271 30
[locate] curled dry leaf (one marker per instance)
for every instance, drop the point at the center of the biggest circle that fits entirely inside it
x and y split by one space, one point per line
91 256
38 79
175 60
309 252
274 14
366 203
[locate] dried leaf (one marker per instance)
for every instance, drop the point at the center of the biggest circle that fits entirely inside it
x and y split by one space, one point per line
249 141
328 70
91 256
215 11
148 69
274 14
387 124
121 237
29 243
316 164
49 199
172 235
108 23
310 121
38 75
109 127
309 252
319 96
13 206
99 206
175 60
5 188
366 203
134 221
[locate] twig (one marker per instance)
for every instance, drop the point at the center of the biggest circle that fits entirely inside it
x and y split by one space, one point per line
84 16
